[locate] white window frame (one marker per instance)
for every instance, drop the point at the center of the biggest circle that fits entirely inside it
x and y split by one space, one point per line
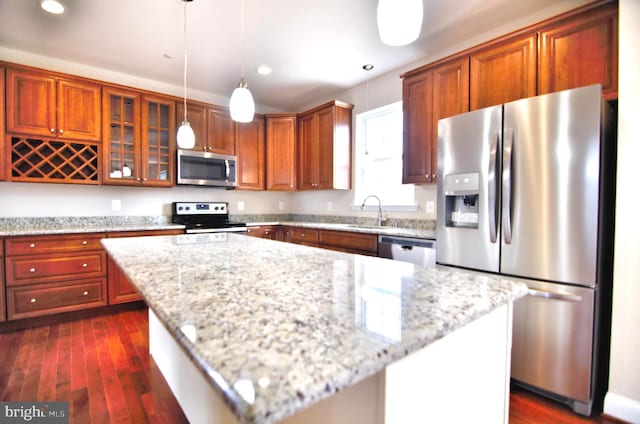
359 194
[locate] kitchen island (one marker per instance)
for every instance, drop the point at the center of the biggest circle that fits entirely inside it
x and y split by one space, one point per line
260 331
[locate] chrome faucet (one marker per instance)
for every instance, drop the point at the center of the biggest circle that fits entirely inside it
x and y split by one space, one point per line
380 218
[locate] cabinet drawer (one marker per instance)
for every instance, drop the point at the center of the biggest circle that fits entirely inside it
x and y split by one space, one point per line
303 235
28 245
29 270
44 299
348 240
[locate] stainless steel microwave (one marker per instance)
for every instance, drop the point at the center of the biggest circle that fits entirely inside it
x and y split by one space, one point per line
206 169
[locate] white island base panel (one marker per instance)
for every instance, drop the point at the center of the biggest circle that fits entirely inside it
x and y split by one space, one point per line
463 377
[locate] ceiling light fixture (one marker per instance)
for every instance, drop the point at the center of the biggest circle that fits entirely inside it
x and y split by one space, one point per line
241 104
368 67
185 137
263 70
399 21
52 6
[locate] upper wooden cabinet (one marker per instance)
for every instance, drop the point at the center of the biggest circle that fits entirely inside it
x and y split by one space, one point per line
45 105
2 162
220 132
580 50
139 138
324 142
212 125
197 117
503 72
427 96
281 130
250 149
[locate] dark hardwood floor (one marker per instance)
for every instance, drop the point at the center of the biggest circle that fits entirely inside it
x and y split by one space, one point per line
101 366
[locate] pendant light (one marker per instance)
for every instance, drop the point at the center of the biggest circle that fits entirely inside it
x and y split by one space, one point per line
185 137
399 21
241 104
52 6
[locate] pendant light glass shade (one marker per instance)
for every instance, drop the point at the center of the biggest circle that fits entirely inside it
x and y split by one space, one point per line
399 21
241 105
52 6
186 137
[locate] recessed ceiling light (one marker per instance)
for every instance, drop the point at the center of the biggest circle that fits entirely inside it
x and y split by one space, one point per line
167 56
367 67
52 6
263 70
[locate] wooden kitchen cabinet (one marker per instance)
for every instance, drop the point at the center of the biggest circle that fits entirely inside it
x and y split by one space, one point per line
139 138
250 150
349 241
220 131
324 141
281 151
197 117
47 105
271 232
503 71
120 288
301 235
3 311
3 164
428 95
48 274
580 50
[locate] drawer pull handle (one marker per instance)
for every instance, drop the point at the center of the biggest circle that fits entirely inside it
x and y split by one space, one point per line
32 270
32 245
84 242
85 293
84 265
33 300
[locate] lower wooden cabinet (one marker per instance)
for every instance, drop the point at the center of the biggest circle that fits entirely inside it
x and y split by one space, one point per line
120 289
348 241
48 274
271 232
3 314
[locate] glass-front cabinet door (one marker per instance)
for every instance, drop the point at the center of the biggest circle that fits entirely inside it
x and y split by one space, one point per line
158 144
121 137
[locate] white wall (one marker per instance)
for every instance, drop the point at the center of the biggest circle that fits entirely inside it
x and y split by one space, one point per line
623 398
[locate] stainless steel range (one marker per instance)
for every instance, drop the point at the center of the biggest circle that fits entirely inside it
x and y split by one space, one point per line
205 217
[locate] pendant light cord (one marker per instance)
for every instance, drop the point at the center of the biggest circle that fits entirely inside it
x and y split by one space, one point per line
184 78
242 41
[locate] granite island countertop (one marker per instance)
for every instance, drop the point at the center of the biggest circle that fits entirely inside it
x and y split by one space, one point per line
297 323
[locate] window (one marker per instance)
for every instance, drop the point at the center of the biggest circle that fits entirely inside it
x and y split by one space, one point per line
379 158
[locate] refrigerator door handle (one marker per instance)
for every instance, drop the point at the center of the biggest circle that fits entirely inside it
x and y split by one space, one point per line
492 184
555 295
506 185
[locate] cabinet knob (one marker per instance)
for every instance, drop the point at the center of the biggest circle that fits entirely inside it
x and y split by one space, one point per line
33 300
145 179
32 245
84 265
60 131
433 176
85 293
84 242
32 270
53 130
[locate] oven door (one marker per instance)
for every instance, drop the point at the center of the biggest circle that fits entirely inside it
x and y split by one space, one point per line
208 169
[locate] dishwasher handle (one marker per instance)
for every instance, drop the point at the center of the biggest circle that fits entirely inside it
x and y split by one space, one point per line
407 243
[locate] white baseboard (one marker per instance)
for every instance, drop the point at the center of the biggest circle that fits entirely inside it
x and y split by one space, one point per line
622 408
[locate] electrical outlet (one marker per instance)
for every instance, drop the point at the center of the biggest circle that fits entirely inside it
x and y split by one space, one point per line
116 205
431 206
329 206
241 205
281 205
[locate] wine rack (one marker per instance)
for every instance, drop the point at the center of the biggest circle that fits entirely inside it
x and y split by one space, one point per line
44 160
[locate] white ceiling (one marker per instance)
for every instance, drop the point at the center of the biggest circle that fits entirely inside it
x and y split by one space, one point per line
315 48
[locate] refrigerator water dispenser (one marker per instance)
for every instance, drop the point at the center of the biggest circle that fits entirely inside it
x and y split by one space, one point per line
462 192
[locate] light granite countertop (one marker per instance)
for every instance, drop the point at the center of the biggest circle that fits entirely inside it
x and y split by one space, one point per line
296 323
76 225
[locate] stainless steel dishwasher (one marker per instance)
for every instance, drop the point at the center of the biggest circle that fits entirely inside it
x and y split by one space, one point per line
407 249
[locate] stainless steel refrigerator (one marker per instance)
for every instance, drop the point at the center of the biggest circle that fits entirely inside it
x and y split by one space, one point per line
527 189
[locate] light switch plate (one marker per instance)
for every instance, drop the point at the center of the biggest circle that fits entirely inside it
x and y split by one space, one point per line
116 205
241 205
329 206
281 205
431 206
